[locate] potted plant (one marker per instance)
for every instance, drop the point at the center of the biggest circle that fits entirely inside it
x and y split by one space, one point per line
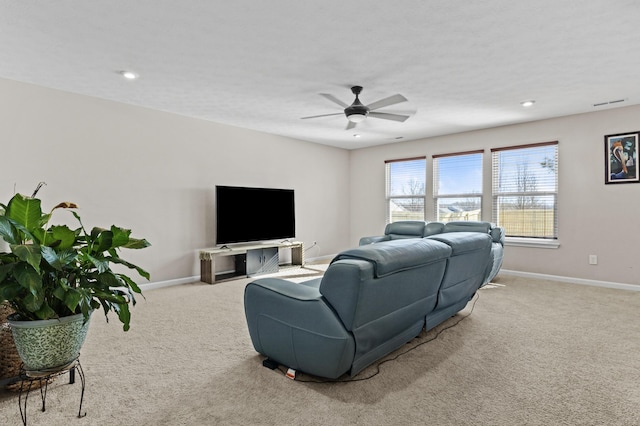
54 277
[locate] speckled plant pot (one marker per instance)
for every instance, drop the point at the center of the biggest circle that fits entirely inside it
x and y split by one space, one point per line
48 344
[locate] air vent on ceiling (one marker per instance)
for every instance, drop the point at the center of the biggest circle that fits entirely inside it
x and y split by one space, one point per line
608 103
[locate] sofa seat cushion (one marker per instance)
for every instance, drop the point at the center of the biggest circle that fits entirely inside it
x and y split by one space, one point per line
398 255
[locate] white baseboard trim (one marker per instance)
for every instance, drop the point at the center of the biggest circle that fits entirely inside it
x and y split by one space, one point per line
582 281
168 283
320 258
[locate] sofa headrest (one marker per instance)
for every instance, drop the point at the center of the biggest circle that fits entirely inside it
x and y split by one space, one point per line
432 228
463 242
405 229
496 232
467 226
398 255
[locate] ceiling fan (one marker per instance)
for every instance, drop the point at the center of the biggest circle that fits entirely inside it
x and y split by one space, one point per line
357 111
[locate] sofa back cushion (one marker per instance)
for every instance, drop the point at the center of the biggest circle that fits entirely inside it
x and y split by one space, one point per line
468 266
370 282
496 232
397 255
383 291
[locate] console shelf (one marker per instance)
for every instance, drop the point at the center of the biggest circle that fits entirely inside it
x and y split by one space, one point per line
249 260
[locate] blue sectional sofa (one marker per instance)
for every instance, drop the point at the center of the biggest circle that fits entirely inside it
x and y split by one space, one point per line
420 229
371 300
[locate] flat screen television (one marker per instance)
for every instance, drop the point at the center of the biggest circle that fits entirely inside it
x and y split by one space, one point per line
254 214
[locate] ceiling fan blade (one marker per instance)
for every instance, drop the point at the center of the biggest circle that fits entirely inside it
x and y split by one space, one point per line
334 99
387 116
322 115
391 100
350 125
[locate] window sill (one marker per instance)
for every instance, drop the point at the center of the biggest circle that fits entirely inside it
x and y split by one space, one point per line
531 242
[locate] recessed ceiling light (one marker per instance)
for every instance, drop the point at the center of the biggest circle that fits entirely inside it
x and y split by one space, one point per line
129 75
527 103
356 135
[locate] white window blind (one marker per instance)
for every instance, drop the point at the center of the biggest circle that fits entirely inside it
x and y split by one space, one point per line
457 186
525 190
405 189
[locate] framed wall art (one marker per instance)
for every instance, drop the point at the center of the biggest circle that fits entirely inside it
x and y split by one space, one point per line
621 157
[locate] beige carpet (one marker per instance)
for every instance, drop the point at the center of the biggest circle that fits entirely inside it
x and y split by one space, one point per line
531 352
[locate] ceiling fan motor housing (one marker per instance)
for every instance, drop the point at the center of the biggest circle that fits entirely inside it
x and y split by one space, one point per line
356 108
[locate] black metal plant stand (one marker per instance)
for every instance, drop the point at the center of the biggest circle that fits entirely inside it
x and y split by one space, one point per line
43 377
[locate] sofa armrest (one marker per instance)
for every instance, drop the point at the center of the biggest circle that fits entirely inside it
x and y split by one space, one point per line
497 234
375 239
293 325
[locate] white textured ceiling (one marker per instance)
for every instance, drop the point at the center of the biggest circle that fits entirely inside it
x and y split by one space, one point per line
462 65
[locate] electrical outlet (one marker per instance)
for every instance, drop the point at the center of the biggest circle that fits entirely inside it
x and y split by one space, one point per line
593 259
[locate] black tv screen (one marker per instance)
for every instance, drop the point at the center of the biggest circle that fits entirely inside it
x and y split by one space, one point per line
254 214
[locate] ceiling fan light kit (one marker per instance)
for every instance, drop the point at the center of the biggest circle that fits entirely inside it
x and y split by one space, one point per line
356 118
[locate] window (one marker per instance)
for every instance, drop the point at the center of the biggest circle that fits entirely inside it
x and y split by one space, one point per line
406 182
457 186
525 190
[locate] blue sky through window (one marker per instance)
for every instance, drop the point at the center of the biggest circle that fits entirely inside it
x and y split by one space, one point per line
528 169
458 174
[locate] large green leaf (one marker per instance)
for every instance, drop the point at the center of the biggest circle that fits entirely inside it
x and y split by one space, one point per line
112 297
52 258
120 236
100 264
29 279
10 290
129 265
104 241
132 285
70 296
45 312
25 210
8 232
66 236
5 270
108 280
123 314
28 253
25 235
137 243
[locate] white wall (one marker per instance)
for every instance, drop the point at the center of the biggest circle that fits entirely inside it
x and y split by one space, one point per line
155 172
594 218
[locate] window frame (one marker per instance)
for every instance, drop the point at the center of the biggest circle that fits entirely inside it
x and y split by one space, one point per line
526 240
389 197
436 180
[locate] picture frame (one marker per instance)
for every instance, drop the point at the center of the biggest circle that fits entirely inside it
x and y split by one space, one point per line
621 158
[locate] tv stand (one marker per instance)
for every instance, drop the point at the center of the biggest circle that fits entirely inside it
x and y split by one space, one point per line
249 260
